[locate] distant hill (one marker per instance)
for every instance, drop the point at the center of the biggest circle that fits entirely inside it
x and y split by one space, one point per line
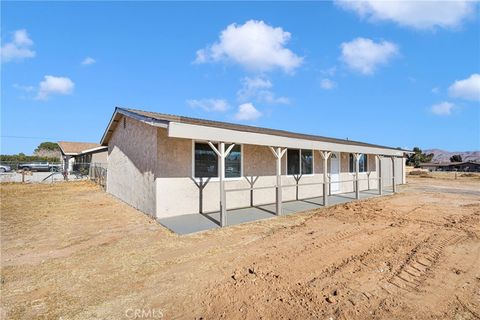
444 156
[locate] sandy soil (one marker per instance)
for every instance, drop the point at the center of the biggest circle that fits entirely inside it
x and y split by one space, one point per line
71 251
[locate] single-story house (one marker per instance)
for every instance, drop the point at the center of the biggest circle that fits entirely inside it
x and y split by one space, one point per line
77 155
167 165
466 166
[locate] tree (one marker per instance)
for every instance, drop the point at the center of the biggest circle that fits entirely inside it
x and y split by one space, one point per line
51 146
418 157
456 158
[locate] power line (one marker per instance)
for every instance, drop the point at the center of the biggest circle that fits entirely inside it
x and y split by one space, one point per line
22 137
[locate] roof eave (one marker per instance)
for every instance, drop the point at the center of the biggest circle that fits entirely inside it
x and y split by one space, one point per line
94 149
116 117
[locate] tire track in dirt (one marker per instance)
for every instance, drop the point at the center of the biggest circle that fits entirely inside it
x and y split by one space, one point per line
409 275
423 258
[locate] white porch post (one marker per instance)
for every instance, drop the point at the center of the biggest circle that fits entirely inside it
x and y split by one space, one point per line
325 155
278 153
357 169
380 191
221 175
222 154
393 175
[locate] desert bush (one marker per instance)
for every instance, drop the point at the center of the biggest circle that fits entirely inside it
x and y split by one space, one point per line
417 172
468 175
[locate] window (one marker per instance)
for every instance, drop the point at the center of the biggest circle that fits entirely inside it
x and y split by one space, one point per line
233 162
299 161
206 161
362 164
293 161
307 161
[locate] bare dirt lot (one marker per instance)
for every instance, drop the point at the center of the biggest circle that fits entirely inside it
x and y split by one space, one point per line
71 251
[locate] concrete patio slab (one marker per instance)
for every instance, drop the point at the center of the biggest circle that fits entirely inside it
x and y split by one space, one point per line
192 223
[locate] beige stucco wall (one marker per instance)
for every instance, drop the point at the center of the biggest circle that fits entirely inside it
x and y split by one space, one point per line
132 160
387 171
99 157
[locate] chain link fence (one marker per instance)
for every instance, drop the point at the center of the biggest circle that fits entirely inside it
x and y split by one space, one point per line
98 174
49 172
6 166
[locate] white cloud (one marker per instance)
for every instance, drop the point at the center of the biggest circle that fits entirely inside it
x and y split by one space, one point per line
327 84
330 72
247 112
254 45
218 105
442 109
468 89
416 14
23 88
435 90
259 89
19 48
88 61
365 55
54 85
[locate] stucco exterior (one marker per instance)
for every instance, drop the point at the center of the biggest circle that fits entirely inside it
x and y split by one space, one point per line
132 163
153 172
99 157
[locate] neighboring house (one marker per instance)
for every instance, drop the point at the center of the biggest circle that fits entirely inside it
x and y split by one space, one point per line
167 165
81 154
467 166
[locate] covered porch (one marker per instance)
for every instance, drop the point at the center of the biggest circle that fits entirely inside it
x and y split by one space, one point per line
340 174
193 223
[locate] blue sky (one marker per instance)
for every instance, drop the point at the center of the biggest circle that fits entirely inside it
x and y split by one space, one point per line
364 71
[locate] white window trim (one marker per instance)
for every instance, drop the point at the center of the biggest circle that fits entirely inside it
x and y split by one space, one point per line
218 164
359 172
300 160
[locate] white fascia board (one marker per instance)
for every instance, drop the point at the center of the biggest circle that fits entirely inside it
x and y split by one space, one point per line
197 132
95 149
144 119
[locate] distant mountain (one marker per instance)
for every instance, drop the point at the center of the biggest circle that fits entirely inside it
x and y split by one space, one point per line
444 156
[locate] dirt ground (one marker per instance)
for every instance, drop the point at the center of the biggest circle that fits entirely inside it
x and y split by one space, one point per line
70 251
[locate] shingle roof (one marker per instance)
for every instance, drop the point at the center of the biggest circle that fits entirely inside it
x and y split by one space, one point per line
162 117
69 147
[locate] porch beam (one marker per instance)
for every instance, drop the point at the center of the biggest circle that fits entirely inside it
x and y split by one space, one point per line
208 133
325 155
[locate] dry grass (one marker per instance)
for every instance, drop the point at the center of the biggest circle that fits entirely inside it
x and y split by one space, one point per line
69 250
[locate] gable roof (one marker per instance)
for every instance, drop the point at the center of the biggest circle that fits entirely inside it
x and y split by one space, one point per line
163 120
74 148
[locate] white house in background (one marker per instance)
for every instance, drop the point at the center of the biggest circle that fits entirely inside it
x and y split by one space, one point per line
168 165
76 154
